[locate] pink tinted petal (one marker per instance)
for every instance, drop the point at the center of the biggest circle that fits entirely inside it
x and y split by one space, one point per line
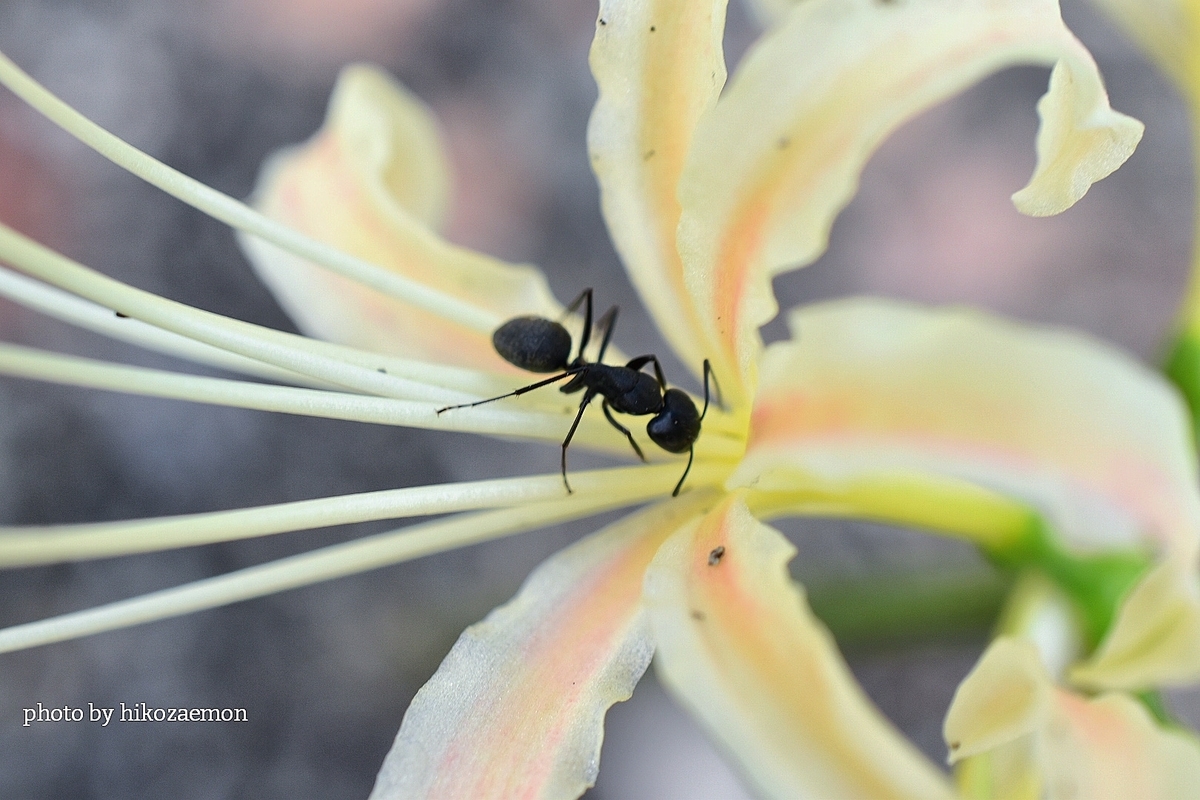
373 182
517 707
659 65
874 389
932 417
738 645
780 154
1017 734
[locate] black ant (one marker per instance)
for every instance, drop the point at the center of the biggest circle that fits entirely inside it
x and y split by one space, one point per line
538 344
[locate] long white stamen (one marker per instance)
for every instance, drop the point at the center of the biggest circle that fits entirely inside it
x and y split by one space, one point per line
90 316
234 213
69 308
273 347
24 362
26 546
308 568
497 419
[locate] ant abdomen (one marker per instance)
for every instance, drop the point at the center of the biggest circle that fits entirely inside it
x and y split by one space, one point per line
534 344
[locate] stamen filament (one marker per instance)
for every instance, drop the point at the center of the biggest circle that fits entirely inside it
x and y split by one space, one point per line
243 338
24 362
27 546
76 311
314 566
496 419
68 308
233 212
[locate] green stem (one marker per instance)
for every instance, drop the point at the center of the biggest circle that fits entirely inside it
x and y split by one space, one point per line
1095 583
1157 707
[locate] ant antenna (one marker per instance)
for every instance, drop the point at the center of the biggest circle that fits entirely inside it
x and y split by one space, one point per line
710 375
686 470
521 391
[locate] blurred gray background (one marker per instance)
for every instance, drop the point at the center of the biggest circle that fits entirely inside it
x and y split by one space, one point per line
213 86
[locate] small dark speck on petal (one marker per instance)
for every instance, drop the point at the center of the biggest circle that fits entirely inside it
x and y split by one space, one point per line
716 555
698 615
784 142
382 370
649 155
653 29
122 316
603 21
955 745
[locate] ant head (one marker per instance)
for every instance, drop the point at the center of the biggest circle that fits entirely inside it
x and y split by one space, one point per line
534 344
677 426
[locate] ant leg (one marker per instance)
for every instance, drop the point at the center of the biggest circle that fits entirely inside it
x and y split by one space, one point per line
642 361
607 322
583 404
686 470
622 429
586 294
519 392
586 336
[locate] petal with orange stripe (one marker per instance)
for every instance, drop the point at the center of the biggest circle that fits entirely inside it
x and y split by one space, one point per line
929 408
738 646
1016 734
517 707
780 154
1096 442
659 65
373 182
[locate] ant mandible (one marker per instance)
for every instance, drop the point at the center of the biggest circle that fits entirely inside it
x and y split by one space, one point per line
537 344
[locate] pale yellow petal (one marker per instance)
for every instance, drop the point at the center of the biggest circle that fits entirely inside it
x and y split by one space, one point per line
780 154
1166 29
517 707
659 65
371 182
891 410
1021 736
1155 639
1006 696
1113 749
738 645
1009 772
880 390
